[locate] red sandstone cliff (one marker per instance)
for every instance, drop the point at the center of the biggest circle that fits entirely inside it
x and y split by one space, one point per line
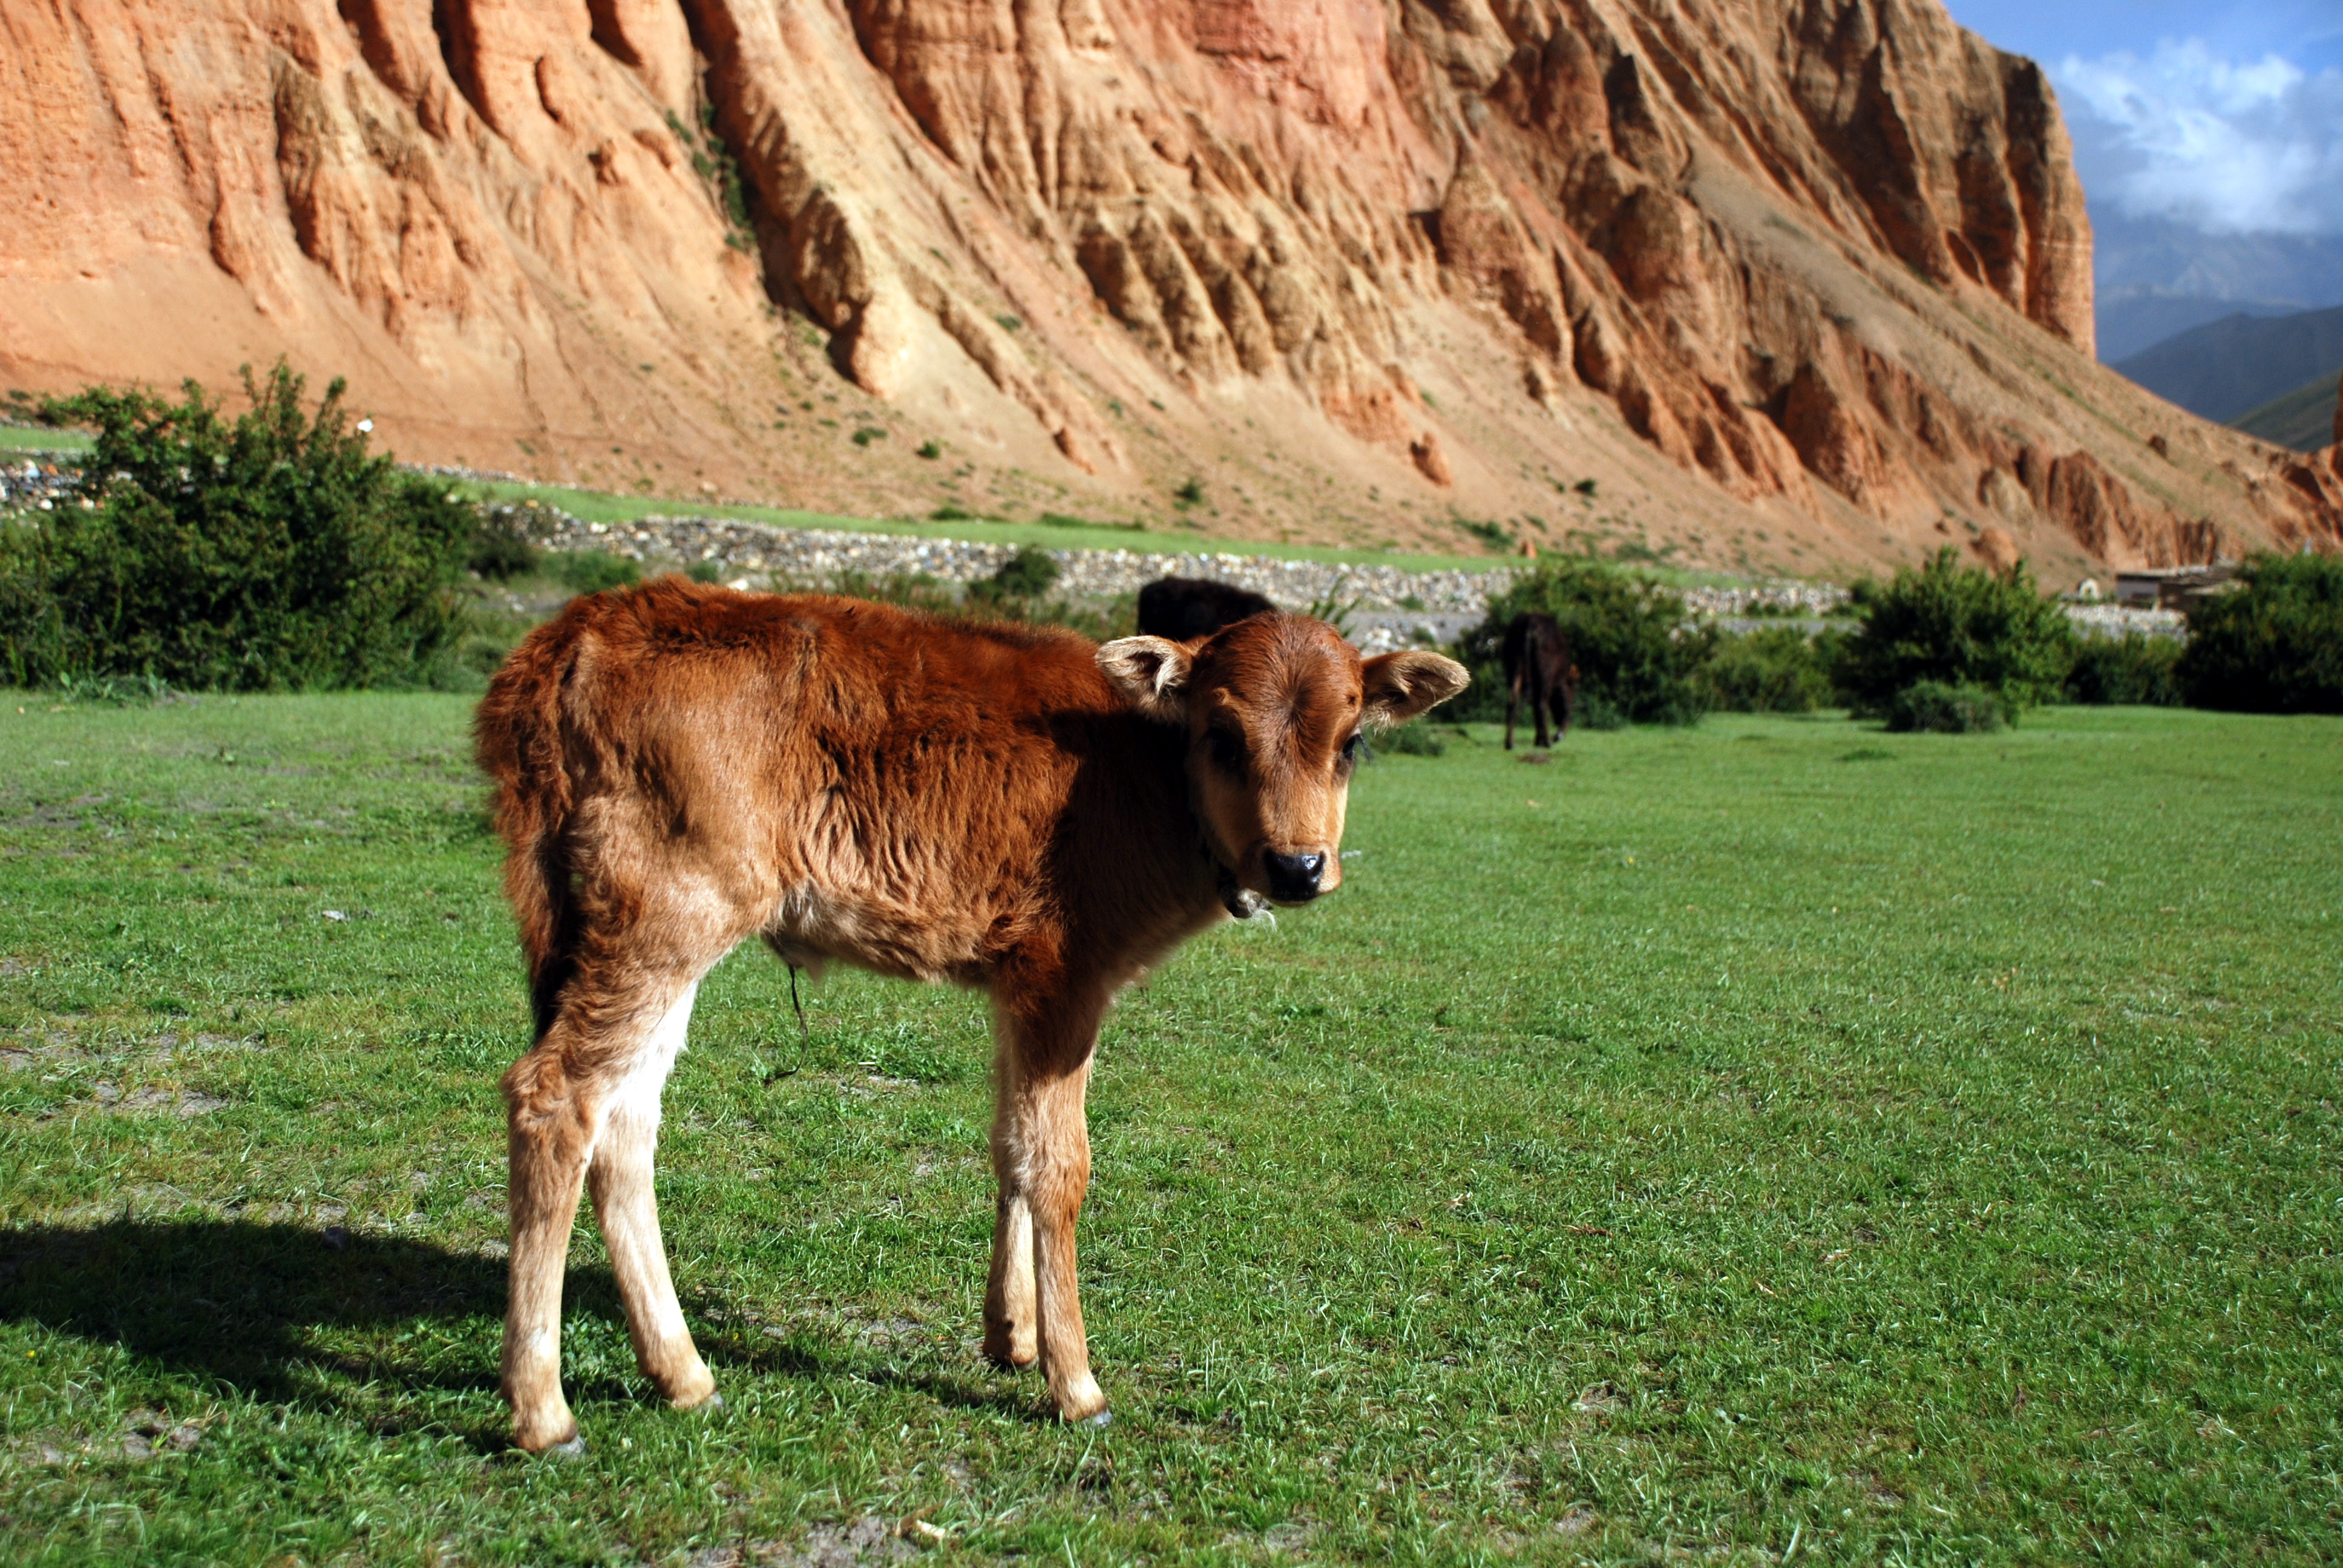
1798 284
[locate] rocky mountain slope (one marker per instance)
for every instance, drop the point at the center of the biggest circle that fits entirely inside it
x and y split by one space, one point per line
1796 282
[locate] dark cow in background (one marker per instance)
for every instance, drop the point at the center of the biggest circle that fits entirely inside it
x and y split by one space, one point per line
1538 665
1180 610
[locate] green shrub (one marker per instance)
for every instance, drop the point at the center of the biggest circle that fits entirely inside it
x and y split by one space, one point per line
501 550
1955 626
705 571
1637 661
1027 574
1774 669
1592 710
1333 609
912 591
593 571
2272 645
1945 707
2127 669
266 554
1413 739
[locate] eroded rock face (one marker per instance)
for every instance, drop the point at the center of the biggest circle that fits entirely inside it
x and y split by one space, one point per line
1815 271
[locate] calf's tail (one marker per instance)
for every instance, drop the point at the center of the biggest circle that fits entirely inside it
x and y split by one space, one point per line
523 739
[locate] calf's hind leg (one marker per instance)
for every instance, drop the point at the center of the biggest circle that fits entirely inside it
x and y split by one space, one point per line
627 1209
1009 1333
585 1099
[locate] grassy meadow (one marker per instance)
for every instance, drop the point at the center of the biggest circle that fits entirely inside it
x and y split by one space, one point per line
1772 1141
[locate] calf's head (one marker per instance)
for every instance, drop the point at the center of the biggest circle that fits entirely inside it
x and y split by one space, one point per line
1273 709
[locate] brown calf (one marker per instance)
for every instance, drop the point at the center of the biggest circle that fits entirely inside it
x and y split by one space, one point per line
682 768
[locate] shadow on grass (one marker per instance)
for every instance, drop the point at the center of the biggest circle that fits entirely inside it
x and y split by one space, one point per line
254 1306
243 1304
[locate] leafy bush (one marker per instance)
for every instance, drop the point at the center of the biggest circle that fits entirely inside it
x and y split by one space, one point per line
1592 710
1637 661
501 550
2126 669
268 553
1955 626
1027 574
1333 609
912 591
1413 739
593 571
1775 670
2272 645
705 571
1944 707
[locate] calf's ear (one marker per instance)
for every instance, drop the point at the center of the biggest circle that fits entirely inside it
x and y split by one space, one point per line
1403 685
1152 671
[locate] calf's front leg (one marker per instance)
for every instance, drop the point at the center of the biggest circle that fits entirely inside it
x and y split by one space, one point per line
1041 1156
1009 1336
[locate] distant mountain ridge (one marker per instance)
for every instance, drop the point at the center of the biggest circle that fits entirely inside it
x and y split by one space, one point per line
2155 277
2303 419
2140 322
2229 368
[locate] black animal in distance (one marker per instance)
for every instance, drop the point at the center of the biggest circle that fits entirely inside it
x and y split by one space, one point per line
1538 665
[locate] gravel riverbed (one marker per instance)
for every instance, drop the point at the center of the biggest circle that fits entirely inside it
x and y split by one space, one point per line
1394 605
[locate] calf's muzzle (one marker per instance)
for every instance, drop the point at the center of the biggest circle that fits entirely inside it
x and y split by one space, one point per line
1293 879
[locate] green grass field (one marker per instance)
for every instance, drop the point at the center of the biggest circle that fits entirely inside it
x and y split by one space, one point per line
1772 1140
20 439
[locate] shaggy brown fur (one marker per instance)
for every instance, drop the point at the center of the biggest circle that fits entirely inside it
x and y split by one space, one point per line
682 768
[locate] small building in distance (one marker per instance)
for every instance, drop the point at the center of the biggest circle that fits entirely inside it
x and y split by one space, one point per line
2172 588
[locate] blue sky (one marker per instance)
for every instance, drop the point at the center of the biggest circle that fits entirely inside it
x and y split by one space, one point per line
2226 117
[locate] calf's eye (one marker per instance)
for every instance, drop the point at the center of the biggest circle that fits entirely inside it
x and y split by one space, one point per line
1351 748
1227 748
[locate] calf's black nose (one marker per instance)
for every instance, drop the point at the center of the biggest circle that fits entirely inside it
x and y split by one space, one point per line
1293 879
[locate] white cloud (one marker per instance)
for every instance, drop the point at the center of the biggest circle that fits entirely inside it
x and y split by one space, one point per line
2228 147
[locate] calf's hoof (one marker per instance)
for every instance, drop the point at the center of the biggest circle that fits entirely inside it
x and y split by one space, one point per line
1083 1404
554 1437
695 1392
574 1448
1005 1350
